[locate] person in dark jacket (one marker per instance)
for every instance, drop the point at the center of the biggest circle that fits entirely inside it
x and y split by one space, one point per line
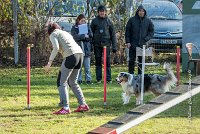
83 40
139 30
103 35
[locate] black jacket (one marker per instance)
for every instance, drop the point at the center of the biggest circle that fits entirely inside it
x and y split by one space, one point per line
103 32
139 30
86 47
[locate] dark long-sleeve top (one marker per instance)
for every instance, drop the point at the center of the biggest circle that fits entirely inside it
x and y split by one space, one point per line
139 30
103 32
80 38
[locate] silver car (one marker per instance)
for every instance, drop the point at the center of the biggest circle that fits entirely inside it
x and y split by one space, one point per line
167 19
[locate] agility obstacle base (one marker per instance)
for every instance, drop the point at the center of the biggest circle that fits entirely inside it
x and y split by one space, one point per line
150 109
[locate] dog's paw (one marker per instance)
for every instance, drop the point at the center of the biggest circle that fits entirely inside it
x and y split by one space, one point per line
137 104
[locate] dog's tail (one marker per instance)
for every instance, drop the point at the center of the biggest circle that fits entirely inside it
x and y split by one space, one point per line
171 77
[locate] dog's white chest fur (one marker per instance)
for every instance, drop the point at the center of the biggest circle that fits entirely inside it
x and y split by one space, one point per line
127 88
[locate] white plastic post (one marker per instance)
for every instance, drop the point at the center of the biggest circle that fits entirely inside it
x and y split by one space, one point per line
143 69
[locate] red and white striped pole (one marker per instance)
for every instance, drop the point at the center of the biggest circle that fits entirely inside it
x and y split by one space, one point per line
28 75
105 80
178 55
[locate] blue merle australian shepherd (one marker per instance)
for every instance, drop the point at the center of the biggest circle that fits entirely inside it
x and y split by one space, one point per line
157 84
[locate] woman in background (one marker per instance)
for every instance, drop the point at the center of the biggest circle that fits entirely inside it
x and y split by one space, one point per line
83 41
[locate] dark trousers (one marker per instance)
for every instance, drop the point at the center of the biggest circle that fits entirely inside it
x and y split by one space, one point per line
98 51
131 63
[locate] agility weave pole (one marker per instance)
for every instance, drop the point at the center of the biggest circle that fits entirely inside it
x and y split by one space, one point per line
105 80
28 77
143 69
28 74
149 110
178 55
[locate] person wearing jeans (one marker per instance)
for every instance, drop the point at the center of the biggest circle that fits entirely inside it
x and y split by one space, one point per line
88 77
83 40
72 54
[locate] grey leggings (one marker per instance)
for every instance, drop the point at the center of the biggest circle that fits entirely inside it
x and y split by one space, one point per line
67 76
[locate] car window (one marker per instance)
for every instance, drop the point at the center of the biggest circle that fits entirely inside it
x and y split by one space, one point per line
163 11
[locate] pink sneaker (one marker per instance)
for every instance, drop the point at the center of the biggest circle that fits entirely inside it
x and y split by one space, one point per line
62 111
82 108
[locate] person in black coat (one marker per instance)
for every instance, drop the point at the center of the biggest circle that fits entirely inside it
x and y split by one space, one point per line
103 35
83 40
139 30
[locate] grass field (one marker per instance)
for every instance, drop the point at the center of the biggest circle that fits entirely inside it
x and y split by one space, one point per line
14 118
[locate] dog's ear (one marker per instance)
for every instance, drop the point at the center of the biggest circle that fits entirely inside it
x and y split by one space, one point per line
130 78
121 74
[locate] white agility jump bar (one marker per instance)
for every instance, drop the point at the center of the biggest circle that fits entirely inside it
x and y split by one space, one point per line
158 110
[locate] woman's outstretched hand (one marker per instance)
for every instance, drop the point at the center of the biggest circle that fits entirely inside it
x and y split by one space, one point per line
47 67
